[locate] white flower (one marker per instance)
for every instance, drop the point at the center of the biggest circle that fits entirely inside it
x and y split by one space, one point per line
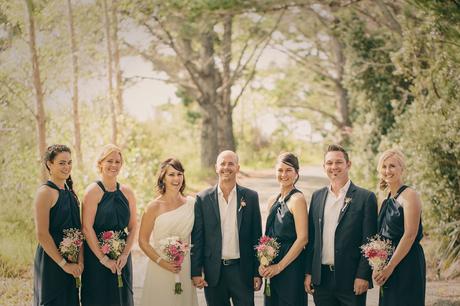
242 204
346 202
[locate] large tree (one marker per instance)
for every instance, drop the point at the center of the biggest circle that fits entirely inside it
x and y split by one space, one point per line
205 55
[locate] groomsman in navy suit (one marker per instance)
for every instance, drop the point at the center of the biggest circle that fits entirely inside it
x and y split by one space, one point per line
341 218
226 229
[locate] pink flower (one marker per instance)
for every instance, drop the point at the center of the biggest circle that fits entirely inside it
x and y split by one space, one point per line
264 239
107 235
105 248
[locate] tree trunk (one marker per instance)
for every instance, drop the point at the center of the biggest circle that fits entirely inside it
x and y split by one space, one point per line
207 101
39 95
226 140
75 78
342 93
109 72
209 144
116 60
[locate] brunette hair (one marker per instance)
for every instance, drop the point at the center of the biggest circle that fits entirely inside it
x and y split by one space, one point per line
50 154
291 160
177 165
384 156
337 148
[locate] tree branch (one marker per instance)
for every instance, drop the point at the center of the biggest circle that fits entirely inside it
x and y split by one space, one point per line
333 118
253 69
188 65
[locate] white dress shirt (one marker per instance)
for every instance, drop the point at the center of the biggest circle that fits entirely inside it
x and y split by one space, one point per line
332 208
229 225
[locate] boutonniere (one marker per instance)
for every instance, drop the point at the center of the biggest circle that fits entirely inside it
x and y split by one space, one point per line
242 204
345 204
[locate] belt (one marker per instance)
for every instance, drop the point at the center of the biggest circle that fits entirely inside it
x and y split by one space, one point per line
329 267
229 262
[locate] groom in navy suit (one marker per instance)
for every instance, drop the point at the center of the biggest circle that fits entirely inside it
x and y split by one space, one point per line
342 217
226 229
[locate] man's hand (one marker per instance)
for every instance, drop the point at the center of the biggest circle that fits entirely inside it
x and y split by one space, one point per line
307 284
199 282
257 283
360 286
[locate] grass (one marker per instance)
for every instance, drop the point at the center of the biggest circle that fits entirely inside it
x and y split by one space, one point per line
16 291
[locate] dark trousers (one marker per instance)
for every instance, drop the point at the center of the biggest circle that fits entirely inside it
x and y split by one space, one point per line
327 294
231 285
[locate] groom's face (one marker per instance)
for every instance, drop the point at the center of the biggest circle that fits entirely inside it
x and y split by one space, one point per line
336 166
227 167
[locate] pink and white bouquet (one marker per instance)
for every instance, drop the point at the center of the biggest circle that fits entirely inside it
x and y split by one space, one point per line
112 244
267 250
377 252
174 250
70 247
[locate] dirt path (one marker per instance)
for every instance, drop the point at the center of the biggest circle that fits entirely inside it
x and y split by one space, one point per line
439 293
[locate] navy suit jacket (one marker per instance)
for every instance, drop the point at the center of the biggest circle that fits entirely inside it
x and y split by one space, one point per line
206 254
357 222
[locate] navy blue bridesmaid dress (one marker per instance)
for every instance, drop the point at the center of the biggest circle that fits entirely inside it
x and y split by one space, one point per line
52 285
287 288
406 285
99 284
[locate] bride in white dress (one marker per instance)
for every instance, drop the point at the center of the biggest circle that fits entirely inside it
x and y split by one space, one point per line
171 214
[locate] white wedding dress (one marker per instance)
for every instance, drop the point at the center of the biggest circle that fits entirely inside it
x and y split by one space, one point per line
159 283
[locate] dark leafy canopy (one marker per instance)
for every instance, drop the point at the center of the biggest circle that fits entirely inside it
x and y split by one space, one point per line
446 15
406 93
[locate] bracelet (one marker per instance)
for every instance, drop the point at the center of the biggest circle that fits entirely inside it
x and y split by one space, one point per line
158 260
104 259
62 263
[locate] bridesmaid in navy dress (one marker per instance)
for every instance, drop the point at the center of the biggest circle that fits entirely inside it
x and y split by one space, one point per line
107 205
404 277
287 222
56 209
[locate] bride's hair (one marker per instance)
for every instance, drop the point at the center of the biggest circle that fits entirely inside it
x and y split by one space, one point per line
177 165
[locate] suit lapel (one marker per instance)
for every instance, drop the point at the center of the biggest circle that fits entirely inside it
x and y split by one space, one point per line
349 194
321 210
239 209
215 203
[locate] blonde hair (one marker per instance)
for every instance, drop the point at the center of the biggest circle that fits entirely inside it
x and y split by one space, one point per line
106 151
396 153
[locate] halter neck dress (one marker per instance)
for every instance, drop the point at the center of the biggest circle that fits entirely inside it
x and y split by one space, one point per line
52 285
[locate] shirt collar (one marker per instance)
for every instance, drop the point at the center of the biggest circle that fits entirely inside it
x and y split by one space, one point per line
221 193
343 190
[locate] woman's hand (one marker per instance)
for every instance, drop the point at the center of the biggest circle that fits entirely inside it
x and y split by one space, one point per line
73 269
111 265
121 261
270 271
170 266
262 270
82 267
382 276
